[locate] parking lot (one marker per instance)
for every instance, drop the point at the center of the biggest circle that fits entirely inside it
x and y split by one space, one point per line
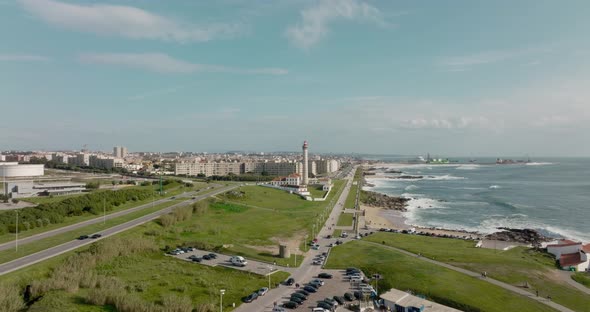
223 260
336 286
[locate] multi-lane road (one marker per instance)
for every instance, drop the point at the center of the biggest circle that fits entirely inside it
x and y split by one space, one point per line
306 270
74 243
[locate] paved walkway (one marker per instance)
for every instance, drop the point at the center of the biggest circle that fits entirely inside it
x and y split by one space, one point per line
478 276
566 276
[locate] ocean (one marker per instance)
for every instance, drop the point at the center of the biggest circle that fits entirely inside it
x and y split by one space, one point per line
549 195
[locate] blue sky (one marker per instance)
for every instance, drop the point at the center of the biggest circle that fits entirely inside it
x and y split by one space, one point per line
406 77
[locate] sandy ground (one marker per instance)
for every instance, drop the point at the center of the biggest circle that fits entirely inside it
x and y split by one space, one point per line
393 219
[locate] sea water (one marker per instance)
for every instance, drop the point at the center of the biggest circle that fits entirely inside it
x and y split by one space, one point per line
549 195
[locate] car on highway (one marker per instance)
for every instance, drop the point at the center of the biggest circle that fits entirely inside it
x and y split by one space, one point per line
290 305
83 237
325 275
262 291
251 297
95 236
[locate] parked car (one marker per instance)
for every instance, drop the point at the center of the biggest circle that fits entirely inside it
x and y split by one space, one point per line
95 236
348 296
192 257
290 305
310 289
238 261
251 297
317 262
290 281
303 292
318 281
325 275
206 257
325 305
331 301
83 237
339 299
319 310
278 309
297 300
300 295
262 291
196 259
213 256
357 294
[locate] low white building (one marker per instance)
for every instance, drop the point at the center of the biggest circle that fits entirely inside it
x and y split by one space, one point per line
571 255
290 180
16 170
401 301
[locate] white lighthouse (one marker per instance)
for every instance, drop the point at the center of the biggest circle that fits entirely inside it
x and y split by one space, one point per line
305 164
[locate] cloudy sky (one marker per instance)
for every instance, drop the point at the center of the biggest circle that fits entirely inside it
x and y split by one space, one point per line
451 78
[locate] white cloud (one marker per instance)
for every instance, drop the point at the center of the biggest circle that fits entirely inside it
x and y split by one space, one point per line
464 62
22 58
123 21
316 19
163 63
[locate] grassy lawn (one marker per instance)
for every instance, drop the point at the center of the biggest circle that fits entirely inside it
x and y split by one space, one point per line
406 273
582 278
49 199
336 233
33 247
247 225
316 191
515 266
345 219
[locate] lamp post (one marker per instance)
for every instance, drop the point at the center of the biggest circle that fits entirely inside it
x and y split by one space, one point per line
16 242
222 291
270 267
377 277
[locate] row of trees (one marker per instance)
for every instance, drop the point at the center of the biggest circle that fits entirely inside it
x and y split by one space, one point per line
242 177
57 212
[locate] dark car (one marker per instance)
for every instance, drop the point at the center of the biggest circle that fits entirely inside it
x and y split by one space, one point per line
358 294
325 275
348 296
196 259
310 289
192 257
297 300
206 257
330 301
339 299
251 297
213 256
96 236
325 305
299 295
83 237
303 292
290 305
329 236
290 281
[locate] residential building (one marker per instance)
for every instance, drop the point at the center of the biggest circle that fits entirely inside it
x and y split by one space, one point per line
80 160
119 152
105 163
571 255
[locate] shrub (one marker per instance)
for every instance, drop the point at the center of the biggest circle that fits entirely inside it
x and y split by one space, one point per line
10 299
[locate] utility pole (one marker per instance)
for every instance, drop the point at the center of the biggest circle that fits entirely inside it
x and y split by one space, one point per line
16 242
104 211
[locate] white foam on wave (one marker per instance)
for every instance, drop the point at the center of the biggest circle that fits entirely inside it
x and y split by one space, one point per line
411 187
539 164
493 187
468 167
445 177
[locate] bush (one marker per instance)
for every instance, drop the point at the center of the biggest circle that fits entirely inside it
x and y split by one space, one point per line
10 299
15 201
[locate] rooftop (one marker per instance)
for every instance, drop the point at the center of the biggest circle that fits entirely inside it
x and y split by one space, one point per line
570 259
405 299
564 242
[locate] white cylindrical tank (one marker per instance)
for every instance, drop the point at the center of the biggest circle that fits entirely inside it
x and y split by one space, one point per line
14 170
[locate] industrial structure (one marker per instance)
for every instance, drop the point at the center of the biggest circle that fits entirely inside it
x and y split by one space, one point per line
305 165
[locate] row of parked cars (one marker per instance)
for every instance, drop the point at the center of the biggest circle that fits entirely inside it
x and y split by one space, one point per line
300 295
196 258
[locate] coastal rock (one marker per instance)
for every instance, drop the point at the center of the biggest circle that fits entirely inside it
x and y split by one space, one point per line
393 171
526 236
408 177
381 200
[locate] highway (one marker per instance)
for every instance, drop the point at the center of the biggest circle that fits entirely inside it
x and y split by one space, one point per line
306 271
82 224
71 245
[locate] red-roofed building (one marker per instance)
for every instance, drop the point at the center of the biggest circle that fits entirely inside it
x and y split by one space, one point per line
572 256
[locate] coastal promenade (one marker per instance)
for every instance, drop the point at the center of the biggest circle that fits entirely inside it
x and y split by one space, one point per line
509 287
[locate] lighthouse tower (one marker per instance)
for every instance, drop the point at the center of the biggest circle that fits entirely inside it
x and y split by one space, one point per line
305 164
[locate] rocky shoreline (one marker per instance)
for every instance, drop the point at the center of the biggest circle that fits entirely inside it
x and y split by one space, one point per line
525 236
374 199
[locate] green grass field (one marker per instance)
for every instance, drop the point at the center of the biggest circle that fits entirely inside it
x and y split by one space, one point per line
516 266
345 219
351 198
263 217
316 191
439 284
582 278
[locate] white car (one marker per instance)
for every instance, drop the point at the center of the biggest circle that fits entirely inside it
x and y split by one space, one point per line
318 310
279 309
317 262
262 291
238 261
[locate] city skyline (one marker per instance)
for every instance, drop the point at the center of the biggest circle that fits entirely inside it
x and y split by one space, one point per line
366 77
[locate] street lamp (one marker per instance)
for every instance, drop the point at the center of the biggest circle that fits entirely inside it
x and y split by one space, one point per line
270 268
222 291
377 277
